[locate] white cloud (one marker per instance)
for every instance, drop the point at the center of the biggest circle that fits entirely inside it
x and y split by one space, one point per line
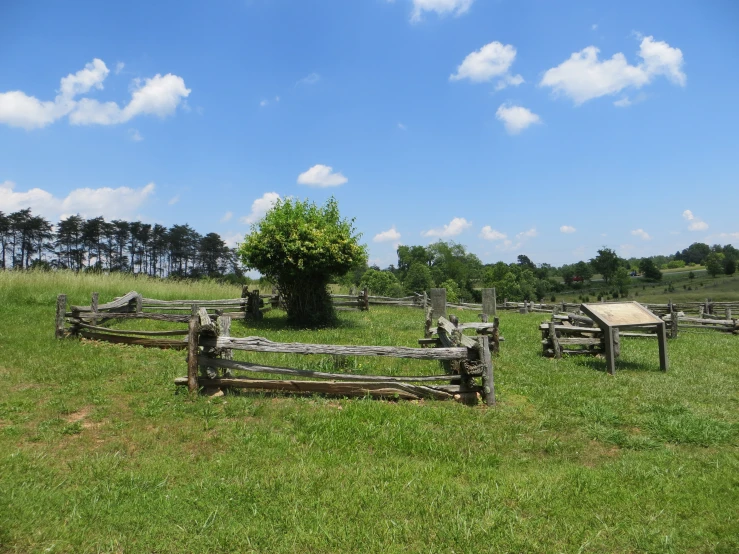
321 176
402 127
623 102
226 217
695 223
134 135
159 96
174 200
583 76
567 229
641 233
488 233
509 81
391 235
594 27
119 67
111 203
531 233
516 118
20 110
311 79
440 7
260 207
452 229
508 245
263 103
489 62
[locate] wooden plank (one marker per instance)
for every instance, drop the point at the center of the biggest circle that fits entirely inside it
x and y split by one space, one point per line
662 343
361 389
450 329
122 315
61 310
554 340
488 302
116 304
488 382
192 354
188 303
108 330
224 324
258 368
138 341
260 344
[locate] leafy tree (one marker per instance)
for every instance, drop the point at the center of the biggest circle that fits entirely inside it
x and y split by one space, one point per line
525 261
729 266
696 253
650 270
714 263
418 278
622 280
584 270
452 290
606 263
300 246
382 283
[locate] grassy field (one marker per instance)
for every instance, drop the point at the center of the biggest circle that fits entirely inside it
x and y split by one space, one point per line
100 453
675 285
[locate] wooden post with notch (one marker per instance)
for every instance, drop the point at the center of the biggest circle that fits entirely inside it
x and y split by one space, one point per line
488 382
61 309
438 302
192 350
94 307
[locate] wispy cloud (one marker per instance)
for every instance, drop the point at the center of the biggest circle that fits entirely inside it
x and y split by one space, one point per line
226 217
488 233
440 7
134 135
174 200
311 79
391 235
452 229
321 176
260 207
567 229
641 233
694 223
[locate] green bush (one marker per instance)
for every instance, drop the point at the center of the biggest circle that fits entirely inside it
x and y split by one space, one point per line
300 246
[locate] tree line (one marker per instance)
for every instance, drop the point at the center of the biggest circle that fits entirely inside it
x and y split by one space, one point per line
31 241
449 265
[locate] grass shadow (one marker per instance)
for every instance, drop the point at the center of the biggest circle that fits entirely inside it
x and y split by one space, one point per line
599 364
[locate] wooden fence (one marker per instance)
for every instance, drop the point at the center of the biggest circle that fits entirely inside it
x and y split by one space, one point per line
210 350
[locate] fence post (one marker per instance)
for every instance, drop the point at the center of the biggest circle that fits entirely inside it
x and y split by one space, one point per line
61 309
555 340
488 302
488 383
94 307
425 300
192 350
365 300
438 302
673 321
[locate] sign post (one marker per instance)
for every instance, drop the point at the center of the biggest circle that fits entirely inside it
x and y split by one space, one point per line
610 316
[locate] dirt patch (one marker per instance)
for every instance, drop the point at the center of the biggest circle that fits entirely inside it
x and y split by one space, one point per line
79 415
597 453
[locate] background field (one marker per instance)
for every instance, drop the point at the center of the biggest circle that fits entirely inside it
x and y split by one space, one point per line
100 453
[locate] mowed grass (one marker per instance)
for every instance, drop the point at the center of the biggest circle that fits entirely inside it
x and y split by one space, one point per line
99 452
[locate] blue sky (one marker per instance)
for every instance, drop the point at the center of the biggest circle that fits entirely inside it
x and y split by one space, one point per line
549 129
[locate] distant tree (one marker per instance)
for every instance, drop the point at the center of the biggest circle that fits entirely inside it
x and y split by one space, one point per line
452 290
622 280
714 263
525 261
650 270
300 246
418 278
381 283
568 274
729 266
696 253
606 263
691 275
584 270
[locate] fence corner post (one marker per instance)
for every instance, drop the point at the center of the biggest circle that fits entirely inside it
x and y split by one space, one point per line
192 349
61 310
94 307
488 382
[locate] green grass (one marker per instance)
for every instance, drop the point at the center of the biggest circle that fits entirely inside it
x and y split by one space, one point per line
100 453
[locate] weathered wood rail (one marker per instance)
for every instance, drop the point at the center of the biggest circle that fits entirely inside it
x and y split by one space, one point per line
210 350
